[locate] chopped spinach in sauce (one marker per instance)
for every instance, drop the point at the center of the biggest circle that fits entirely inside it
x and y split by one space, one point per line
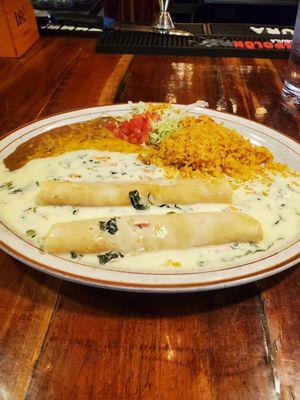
15 191
6 185
136 200
110 255
164 205
248 252
31 233
292 189
278 220
149 199
110 226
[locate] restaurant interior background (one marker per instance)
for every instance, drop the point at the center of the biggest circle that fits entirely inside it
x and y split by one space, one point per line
230 28
63 340
280 12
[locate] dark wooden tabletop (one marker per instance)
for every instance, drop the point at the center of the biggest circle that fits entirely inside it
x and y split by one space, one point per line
60 340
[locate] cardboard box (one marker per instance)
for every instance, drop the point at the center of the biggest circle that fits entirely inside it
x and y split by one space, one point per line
18 28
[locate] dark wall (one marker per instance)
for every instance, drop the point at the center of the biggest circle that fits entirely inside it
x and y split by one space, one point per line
255 11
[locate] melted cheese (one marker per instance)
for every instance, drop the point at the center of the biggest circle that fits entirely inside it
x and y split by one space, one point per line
278 211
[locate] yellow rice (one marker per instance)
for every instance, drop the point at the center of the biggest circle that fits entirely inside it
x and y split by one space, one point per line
205 148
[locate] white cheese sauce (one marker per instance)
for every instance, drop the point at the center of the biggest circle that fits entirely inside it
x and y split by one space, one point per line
278 211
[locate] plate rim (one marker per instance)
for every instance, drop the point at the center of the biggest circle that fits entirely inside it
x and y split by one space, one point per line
158 287
152 288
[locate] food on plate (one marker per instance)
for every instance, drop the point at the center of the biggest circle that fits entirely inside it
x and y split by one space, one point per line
150 189
205 148
79 136
119 193
183 144
152 232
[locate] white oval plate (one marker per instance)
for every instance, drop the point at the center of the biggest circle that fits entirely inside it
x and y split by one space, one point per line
284 149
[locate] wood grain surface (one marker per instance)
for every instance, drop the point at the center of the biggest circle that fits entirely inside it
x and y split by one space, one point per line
60 340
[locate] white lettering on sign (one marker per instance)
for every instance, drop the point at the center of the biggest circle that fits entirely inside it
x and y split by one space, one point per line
287 31
257 30
54 27
81 28
272 31
67 28
278 40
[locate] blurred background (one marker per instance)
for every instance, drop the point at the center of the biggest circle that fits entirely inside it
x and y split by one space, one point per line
279 12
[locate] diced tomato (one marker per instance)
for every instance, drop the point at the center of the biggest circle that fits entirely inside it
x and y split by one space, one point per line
136 130
111 126
142 224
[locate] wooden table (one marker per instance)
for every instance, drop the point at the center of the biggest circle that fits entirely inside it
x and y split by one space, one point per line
64 341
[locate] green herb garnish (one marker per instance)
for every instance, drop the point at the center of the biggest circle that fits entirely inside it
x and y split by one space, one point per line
16 191
292 189
31 233
110 255
149 199
110 226
248 252
6 185
73 255
102 225
278 220
136 200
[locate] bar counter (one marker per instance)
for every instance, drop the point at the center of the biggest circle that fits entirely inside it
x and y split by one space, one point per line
60 340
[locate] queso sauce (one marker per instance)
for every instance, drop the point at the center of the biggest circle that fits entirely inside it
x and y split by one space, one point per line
277 208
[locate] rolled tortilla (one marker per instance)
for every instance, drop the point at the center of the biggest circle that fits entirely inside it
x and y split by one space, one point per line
185 191
152 232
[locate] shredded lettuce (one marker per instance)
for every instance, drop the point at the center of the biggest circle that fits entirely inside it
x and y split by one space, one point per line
137 108
161 129
168 123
